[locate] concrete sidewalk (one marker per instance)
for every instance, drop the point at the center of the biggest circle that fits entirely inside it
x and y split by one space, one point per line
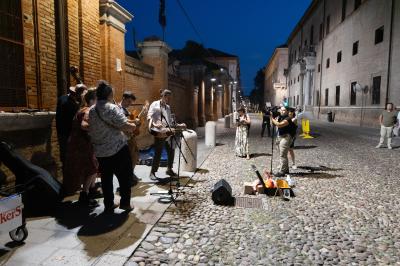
77 236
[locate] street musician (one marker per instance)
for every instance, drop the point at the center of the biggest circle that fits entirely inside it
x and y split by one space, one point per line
128 99
162 126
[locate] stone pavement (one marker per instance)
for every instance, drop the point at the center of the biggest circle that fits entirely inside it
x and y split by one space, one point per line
345 212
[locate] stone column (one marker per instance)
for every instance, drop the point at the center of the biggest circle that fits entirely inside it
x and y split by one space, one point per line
209 103
220 102
215 105
310 68
226 100
201 104
195 106
155 53
113 18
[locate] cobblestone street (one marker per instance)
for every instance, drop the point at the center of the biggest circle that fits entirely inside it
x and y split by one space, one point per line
346 212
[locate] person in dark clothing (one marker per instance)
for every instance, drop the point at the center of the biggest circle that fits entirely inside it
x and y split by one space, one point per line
67 107
284 139
266 123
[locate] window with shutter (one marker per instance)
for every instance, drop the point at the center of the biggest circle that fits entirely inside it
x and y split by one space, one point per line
12 70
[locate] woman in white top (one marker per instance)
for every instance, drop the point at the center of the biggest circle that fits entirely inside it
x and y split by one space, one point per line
242 134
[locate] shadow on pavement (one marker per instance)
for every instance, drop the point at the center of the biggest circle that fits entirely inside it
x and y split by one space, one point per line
202 171
304 147
72 214
316 175
319 168
255 155
103 223
220 144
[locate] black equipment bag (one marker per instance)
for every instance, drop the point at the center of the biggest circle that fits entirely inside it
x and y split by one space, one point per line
41 190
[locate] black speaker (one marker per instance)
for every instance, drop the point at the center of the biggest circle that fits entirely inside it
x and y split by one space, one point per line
222 193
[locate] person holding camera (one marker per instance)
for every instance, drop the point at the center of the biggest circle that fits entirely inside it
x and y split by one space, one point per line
284 124
242 134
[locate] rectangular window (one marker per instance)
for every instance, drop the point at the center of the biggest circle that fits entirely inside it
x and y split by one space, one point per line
355 48
312 35
353 95
357 4
305 43
298 78
295 57
321 31
339 57
297 100
337 98
317 98
376 90
326 97
328 61
328 24
319 68
294 100
12 69
379 35
344 5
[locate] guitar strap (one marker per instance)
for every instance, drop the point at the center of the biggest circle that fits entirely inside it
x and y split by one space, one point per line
104 121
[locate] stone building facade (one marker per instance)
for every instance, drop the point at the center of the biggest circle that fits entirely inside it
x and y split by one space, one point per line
338 44
275 83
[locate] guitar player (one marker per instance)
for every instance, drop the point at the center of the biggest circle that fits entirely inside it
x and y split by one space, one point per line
159 116
128 99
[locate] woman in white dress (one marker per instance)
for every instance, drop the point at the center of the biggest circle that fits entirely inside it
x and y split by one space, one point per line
242 134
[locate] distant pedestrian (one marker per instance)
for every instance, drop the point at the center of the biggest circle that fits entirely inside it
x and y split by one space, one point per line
387 120
242 134
266 123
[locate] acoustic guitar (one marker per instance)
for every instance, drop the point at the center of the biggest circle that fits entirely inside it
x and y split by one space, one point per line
138 119
164 131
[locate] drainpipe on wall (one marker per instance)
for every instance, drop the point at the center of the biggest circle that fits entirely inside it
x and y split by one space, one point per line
37 55
389 54
62 46
322 60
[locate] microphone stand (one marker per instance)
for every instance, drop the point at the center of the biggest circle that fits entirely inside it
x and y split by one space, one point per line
170 193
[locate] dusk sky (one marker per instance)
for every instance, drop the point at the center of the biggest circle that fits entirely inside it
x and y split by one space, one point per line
249 29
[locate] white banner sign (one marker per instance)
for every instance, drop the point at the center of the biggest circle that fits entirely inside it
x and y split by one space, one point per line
10 213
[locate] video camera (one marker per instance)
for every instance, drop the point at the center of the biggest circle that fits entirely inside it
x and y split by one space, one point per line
274 111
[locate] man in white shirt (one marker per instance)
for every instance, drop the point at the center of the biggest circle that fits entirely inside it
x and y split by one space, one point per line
159 117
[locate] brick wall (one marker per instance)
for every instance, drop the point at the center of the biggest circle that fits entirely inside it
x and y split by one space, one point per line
40 145
112 47
139 79
91 41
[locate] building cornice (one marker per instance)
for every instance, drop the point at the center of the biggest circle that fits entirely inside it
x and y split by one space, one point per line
114 15
154 47
273 56
314 4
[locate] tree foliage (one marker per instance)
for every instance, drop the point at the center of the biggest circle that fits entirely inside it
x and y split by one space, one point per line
257 94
